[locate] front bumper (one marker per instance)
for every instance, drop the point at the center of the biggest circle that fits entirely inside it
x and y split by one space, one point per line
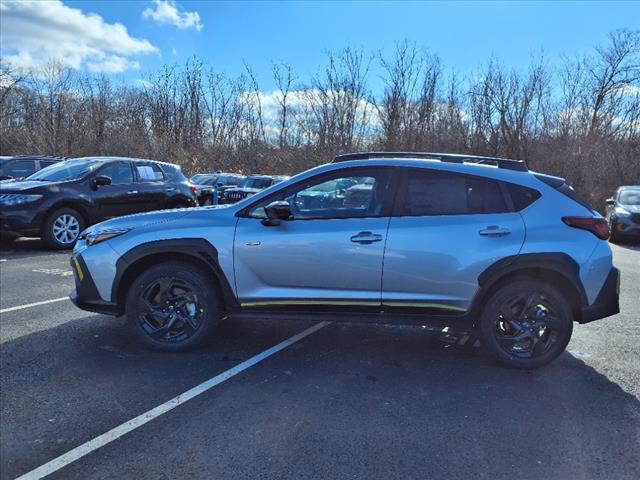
20 220
607 302
85 295
626 226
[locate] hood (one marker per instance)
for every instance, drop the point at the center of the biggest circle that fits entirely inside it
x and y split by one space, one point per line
14 186
144 219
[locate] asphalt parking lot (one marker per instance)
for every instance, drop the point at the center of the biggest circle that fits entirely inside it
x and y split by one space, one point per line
345 401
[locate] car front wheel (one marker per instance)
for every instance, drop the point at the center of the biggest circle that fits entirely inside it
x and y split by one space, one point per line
173 307
62 228
526 324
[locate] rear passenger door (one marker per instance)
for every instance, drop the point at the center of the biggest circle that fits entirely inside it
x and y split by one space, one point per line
446 229
151 186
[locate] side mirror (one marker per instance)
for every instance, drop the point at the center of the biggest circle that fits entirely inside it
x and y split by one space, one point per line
100 181
276 211
610 201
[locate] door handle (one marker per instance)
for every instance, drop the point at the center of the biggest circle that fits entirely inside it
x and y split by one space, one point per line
494 231
366 238
132 192
169 189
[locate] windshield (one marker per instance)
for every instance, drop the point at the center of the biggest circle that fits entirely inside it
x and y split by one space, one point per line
65 171
630 197
202 179
258 183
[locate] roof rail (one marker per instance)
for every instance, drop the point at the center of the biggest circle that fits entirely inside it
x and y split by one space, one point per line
506 163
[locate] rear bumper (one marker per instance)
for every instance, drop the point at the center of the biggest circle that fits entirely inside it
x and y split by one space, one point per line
85 295
607 302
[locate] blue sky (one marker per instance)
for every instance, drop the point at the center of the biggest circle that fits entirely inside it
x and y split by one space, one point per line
226 34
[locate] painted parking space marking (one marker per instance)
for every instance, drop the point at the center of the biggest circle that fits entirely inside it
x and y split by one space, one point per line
117 432
34 304
60 272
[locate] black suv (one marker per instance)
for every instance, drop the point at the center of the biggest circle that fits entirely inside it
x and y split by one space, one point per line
58 202
250 186
16 168
208 183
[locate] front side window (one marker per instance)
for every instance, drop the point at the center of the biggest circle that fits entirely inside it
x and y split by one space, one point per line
346 194
436 193
119 173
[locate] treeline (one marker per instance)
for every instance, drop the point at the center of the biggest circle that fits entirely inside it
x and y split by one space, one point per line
580 120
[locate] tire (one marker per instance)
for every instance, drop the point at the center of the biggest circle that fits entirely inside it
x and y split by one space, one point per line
525 324
173 307
62 228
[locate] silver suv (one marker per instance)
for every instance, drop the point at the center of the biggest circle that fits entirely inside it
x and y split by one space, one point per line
406 238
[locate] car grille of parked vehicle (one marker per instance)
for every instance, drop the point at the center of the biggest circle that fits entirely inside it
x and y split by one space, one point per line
236 195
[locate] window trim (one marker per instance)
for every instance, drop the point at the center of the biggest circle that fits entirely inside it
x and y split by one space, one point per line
403 190
387 207
106 165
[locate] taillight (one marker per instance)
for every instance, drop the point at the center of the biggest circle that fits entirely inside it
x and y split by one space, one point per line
193 188
598 226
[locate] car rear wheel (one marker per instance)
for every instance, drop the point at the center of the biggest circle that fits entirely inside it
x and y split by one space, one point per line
526 324
173 307
62 228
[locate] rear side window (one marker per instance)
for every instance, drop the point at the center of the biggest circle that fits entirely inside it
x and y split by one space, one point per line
435 193
521 196
149 172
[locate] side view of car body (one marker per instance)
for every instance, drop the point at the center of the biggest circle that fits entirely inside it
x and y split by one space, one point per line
58 202
17 168
623 213
250 186
429 239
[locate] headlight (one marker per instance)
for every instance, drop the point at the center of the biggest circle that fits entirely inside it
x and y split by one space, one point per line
101 234
621 212
16 198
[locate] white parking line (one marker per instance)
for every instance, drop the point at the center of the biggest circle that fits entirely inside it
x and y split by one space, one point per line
117 432
34 304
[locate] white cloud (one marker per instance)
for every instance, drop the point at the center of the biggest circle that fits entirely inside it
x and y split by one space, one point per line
33 33
167 12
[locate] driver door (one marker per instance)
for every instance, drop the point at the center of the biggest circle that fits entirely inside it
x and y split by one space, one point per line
328 254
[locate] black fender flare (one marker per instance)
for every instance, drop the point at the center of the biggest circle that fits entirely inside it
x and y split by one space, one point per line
557 263
197 249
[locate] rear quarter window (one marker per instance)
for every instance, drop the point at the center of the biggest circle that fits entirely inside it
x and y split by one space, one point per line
521 196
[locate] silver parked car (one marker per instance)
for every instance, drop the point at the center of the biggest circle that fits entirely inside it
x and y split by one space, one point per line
412 238
623 213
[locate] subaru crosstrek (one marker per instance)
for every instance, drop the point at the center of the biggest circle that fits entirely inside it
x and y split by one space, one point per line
429 239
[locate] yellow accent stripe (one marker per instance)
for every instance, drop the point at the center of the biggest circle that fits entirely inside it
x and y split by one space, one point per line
78 269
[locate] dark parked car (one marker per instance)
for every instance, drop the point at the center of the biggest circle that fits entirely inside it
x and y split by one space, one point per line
17 168
208 183
250 186
623 213
58 202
